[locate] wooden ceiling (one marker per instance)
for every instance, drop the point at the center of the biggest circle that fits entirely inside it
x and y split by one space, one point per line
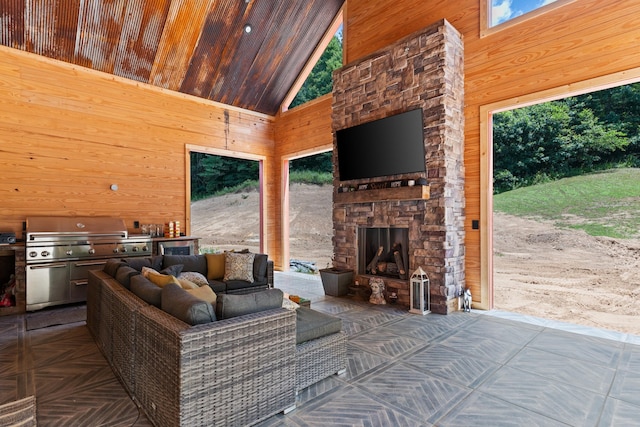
197 47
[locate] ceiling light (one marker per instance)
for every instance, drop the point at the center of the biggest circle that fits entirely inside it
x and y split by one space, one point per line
247 28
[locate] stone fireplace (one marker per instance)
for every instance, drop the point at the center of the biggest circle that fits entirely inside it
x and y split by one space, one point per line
423 70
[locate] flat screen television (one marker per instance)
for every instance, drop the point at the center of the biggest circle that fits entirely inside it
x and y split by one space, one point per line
389 146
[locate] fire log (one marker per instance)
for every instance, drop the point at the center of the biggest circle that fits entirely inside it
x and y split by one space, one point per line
373 265
399 262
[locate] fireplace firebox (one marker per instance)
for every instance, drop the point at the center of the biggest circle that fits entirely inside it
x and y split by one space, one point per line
383 251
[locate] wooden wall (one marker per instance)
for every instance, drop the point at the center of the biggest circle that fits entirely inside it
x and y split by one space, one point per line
578 41
67 133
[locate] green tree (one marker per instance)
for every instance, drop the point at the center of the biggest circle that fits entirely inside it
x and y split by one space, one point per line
551 141
213 173
320 80
619 107
319 162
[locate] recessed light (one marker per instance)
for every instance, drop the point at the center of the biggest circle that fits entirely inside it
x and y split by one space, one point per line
247 28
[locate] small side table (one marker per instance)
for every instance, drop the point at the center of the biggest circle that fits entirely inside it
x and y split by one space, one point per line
305 303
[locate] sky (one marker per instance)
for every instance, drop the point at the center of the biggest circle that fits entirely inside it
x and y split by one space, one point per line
503 10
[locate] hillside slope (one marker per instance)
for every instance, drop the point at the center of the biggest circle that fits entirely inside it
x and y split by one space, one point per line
539 269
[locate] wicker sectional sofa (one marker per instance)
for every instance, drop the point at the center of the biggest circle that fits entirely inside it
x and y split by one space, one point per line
235 371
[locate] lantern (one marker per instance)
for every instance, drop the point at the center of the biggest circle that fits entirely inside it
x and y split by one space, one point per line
420 293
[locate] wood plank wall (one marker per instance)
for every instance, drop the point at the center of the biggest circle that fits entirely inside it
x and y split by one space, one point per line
578 41
575 42
67 133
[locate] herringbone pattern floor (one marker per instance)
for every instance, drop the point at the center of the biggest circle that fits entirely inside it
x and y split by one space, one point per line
403 370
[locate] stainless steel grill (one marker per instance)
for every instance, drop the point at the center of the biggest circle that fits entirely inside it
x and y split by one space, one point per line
61 250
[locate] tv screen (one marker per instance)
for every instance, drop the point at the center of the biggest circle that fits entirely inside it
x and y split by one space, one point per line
389 146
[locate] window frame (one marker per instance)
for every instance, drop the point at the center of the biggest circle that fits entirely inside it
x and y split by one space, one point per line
485 16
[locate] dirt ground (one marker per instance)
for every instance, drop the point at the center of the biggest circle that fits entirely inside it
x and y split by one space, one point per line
539 270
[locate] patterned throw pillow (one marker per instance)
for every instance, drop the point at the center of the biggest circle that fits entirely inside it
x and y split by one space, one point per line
195 277
238 266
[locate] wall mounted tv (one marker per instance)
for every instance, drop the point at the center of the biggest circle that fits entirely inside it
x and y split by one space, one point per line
389 146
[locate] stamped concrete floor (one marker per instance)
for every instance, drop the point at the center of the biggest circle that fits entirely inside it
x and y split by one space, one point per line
479 368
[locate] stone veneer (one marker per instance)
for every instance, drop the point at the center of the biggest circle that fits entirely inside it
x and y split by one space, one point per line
423 70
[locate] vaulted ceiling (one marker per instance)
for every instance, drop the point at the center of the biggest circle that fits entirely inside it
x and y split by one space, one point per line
197 47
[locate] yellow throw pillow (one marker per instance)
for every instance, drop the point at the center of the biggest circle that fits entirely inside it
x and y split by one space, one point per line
162 280
215 266
187 284
205 293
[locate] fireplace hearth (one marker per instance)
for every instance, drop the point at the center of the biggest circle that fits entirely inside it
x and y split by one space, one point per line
383 251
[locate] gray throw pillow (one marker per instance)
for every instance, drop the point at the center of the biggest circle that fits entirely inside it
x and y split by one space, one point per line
228 306
260 268
173 270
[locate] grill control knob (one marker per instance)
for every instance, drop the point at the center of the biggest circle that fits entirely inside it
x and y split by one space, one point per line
116 250
69 252
124 249
45 253
135 249
33 254
92 251
145 248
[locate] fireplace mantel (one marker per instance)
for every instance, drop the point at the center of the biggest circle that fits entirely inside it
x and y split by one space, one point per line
417 192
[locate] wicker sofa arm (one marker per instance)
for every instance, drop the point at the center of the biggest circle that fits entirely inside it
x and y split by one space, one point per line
230 372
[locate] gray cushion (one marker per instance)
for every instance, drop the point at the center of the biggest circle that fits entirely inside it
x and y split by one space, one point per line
260 268
190 262
311 324
228 306
184 306
146 290
235 285
112 265
139 262
124 275
218 286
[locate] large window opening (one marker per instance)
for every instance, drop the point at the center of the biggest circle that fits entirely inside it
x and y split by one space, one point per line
566 209
310 213
225 202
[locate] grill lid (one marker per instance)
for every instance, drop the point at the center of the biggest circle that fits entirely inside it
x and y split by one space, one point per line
51 226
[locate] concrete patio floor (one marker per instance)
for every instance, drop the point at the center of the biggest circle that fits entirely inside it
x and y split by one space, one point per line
478 368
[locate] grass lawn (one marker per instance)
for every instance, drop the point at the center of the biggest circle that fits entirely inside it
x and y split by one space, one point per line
602 204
